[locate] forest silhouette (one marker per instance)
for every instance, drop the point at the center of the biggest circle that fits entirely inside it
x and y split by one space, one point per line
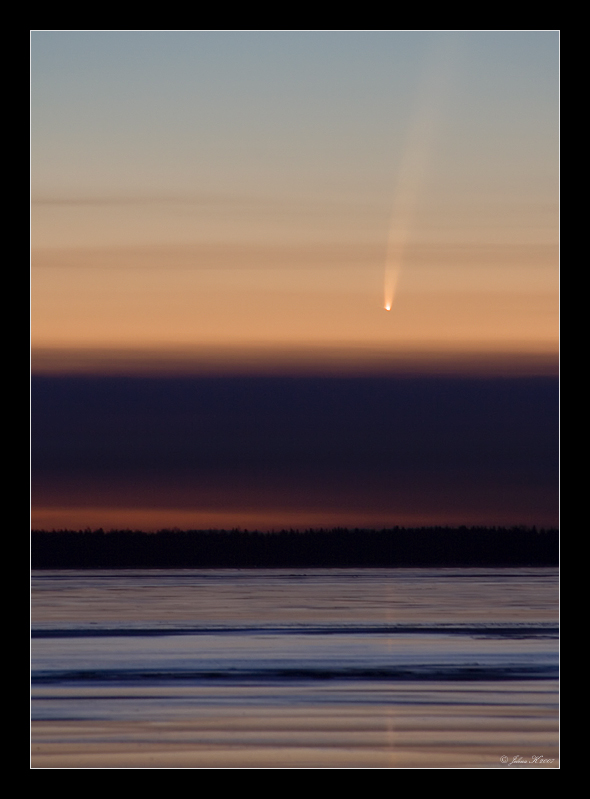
313 548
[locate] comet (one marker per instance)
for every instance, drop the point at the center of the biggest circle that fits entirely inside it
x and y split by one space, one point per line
414 164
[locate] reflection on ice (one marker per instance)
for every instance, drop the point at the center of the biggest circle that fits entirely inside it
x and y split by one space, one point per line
374 668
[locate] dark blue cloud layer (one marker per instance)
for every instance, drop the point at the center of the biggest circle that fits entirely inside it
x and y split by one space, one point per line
363 440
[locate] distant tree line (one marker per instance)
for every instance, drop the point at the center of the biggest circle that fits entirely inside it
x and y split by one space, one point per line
335 548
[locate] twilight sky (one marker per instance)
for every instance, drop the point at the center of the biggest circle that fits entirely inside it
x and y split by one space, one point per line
244 203
238 189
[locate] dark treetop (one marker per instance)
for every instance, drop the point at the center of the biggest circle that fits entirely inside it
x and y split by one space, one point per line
337 548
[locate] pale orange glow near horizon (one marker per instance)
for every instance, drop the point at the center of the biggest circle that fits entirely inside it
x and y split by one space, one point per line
308 298
150 519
